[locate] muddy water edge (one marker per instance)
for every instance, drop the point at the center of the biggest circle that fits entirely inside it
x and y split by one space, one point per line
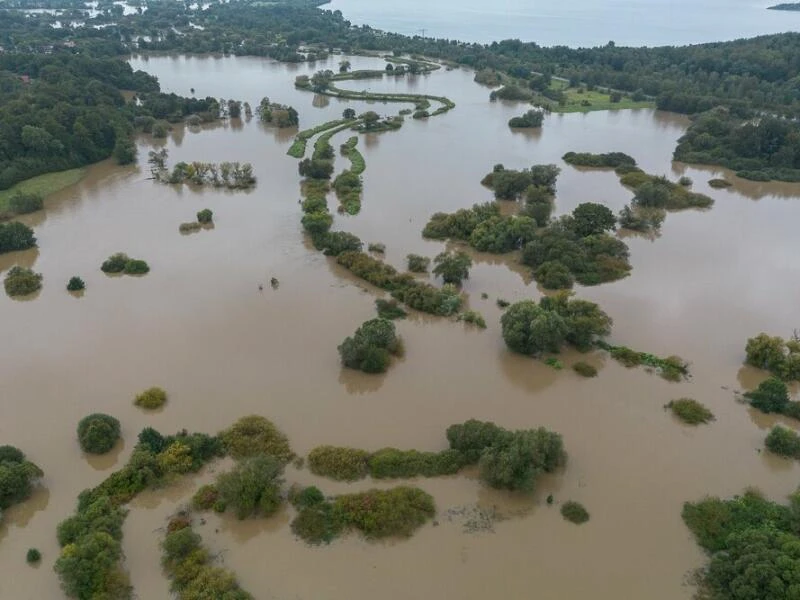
198 326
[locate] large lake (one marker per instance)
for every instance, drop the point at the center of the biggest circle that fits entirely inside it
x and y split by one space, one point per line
574 22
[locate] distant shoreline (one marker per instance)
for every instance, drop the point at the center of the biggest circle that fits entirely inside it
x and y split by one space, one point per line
794 6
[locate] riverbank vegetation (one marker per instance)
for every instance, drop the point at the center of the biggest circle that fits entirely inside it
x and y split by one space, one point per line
758 147
276 114
776 355
671 368
783 441
190 566
752 544
372 346
18 475
690 411
531 119
16 236
21 281
40 186
230 175
772 396
608 160
90 562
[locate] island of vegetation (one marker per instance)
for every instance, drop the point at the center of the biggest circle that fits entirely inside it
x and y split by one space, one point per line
690 411
20 281
122 263
786 6
231 175
776 355
16 236
372 346
98 433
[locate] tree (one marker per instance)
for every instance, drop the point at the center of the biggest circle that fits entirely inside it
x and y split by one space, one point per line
530 329
16 236
17 476
371 347
253 487
370 118
518 458
98 433
783 441
321 80
554 275
205 216
75 284
344 66
452 267
591 218
771 396
349 113
765 352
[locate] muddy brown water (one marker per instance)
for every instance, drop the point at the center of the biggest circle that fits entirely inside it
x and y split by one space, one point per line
198 326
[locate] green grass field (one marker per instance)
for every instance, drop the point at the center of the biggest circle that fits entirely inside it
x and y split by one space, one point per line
596 99
44 185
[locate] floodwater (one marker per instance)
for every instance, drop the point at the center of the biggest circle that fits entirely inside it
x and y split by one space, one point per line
198 326
575 23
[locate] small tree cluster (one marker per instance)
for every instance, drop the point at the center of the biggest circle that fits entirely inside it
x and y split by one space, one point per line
776 355
772 396
17 477
371 347
252 487
255 435
20 281
690 411
122 263
531 119
16 236
452 267
98 433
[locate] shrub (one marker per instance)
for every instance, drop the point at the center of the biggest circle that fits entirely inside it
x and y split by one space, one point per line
584 369
189 227
574 512
377 247
151 398
205 216
206 497
317 523
75 284
530 329
783 441
719 183
393 463
690 411
383 513
22 203
97 433
16 236
115 263
389 309
20 281
685 181
417 263
501 303
532 118
307 496
474 317
628 357
254 435
554 275
334 243
771 396
369 349
136 267
33 556
253 487
343 464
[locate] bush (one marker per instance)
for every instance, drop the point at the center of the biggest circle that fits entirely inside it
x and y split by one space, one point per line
532 118
22 203
206 497
389 309
307 496
554 275
97 433
20 281
343 464
205 216
390 463
115 263
377 247
16 236
609 160
151 398
317 523
190 227
369 349
33 556
75 284
685 181
574 512
771 396
584 369
254 435
690 411
719 183
783 441
530 329
136 267
474 317
253 487
417 263
384 513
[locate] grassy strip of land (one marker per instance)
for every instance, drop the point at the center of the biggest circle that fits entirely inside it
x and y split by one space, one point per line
581 99
42 185
298 147
324 141
671 368
357 163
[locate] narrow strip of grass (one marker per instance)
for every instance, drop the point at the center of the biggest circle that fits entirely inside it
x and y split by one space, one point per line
43 185
298 147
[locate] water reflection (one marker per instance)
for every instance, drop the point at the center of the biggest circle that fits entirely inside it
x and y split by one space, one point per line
23 258
358 383
320 101
243 530
103 462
